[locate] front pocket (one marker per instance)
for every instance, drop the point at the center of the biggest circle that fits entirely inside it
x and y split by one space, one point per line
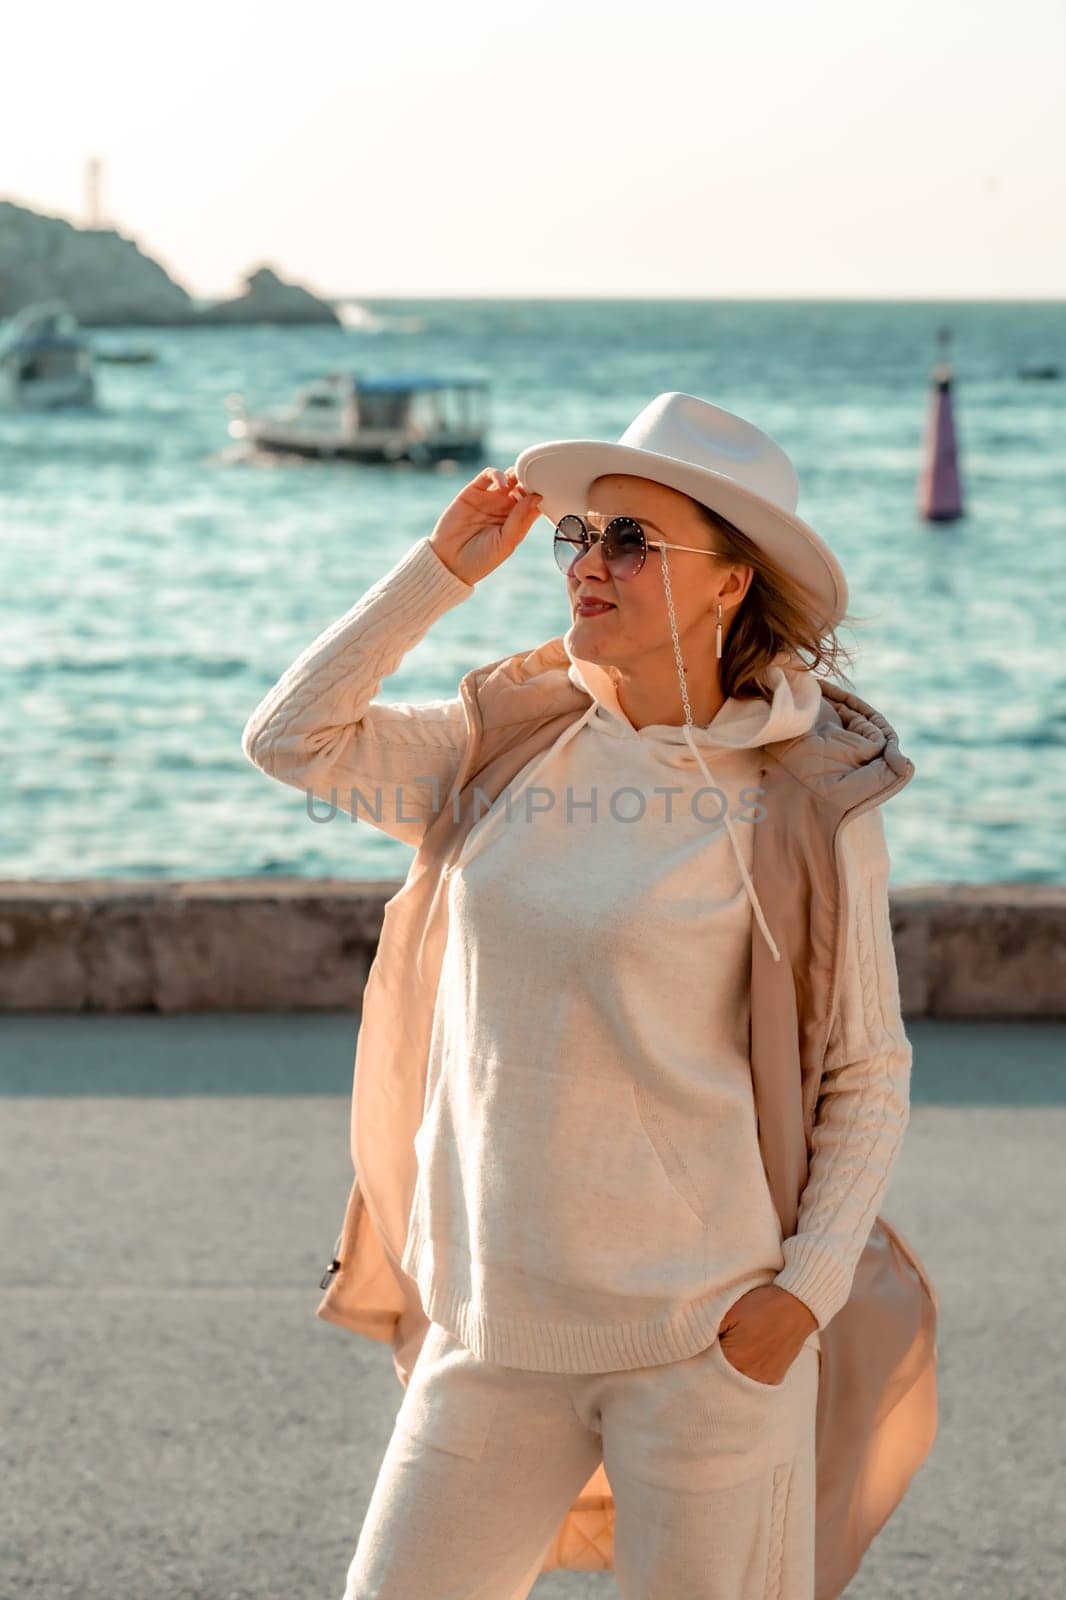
754 1385
667 1153
450 1400
564 1188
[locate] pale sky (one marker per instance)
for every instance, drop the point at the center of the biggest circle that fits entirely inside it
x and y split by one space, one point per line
563 147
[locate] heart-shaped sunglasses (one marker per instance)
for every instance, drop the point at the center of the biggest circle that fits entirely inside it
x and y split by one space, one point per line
625 545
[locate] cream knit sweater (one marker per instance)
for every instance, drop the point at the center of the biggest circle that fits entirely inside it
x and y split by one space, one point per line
590 1190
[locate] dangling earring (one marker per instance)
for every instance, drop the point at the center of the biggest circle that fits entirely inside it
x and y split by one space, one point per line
718 636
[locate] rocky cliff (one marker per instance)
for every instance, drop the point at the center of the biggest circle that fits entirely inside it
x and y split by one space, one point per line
267 299
107 280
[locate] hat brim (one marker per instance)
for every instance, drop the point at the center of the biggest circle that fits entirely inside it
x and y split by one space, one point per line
562 470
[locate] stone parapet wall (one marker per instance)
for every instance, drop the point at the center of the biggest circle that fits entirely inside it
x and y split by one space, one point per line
291 944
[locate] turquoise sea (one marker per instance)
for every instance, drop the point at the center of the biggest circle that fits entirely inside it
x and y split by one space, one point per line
156 583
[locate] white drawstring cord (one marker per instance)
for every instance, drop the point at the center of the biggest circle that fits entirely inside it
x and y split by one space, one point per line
705 769
745 875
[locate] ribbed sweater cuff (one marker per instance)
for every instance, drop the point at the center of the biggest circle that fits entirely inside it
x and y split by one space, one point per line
815 1275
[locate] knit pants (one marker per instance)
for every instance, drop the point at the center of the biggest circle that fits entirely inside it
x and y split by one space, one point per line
712 1474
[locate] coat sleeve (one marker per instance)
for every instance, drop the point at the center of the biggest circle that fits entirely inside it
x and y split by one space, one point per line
864 1102
320 730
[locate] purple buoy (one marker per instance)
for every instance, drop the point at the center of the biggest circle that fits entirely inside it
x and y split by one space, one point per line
939 490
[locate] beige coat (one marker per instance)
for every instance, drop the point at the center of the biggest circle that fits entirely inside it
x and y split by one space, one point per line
877 1405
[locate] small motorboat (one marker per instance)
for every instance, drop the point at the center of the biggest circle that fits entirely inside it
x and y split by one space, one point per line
341 416
46 361
129 356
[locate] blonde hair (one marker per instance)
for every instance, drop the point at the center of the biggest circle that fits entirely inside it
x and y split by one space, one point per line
778 613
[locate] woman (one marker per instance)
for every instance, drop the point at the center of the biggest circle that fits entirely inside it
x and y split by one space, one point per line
592 1233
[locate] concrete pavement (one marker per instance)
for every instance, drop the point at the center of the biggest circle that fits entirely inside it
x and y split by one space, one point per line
178 1425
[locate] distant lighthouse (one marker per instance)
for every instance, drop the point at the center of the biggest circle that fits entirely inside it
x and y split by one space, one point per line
939 490
94 170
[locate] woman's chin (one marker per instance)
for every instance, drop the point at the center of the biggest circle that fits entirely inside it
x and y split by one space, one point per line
590 632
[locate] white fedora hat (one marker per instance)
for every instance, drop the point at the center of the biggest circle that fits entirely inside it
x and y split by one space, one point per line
715 457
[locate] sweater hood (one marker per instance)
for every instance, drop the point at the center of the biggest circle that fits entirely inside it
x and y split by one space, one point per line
738 724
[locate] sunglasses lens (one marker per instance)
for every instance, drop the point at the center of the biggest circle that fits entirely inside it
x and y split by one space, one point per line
570 542
624 548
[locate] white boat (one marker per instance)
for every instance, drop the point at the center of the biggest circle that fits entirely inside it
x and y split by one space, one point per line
420 418
46 360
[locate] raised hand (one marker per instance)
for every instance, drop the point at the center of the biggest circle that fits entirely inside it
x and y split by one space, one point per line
485 523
